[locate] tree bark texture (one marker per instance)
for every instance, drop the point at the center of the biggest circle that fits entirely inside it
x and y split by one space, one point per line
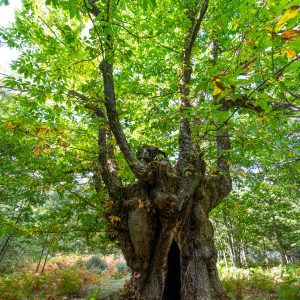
169 249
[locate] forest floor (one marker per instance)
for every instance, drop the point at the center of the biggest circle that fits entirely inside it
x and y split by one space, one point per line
95 278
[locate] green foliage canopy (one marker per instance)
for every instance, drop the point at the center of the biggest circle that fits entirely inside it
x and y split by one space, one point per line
245 57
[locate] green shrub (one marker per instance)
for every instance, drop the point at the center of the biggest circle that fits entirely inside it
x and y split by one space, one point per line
289 292
18 285
122 267
229 285
70 283
96 263
260 280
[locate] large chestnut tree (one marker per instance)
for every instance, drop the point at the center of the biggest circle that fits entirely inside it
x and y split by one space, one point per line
157 101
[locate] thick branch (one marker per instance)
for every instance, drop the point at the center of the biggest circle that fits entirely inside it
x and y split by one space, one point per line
114 122
258 87
223 146
191 167
194 31
106 68
92 7
185 140
108 166
220 184
87 104
240 102
95 11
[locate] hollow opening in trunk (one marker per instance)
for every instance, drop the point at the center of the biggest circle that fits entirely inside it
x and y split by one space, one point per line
173 282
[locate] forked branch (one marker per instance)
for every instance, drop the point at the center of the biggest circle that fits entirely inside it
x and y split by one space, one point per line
114 122
106 68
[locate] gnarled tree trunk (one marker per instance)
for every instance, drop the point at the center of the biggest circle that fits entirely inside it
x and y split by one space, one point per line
162 221
170 251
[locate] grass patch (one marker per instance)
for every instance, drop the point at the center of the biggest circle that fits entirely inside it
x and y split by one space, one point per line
261 283
57 284
79 278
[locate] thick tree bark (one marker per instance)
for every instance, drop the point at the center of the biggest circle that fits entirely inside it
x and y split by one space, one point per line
161 221
170 250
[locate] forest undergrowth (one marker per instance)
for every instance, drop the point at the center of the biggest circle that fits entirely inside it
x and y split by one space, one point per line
103 277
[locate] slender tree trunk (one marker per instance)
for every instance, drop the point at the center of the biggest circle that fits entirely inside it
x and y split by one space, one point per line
234 247
40 259
45 261
225 258
244 255
9 238
19 258
287 258
279 242
4 247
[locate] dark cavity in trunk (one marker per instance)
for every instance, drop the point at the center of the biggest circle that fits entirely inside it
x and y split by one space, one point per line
173 282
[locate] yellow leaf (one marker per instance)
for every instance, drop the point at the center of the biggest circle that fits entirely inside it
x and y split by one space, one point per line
290 13
114 219
140 204
10 126
46 151
269 28
36 151
242 173
290 53
263 119
217 91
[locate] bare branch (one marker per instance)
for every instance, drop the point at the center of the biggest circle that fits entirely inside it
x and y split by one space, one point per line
277 73
240 102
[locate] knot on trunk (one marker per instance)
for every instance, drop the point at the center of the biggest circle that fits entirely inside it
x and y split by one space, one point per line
147 154
154 161
166 202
